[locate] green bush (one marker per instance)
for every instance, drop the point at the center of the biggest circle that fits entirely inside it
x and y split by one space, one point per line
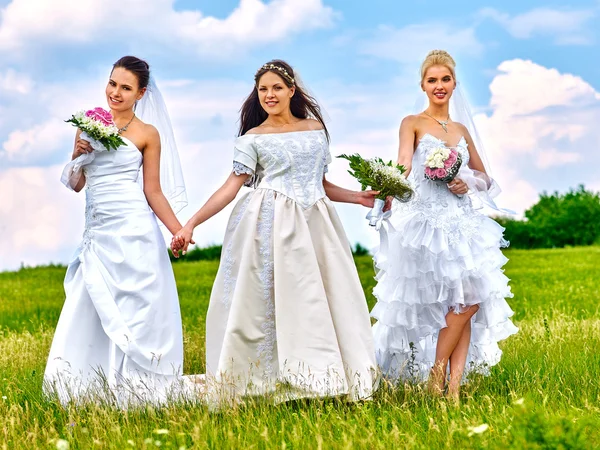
211 253
557 220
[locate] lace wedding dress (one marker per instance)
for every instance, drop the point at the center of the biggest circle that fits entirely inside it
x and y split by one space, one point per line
287 313
439 254
119 336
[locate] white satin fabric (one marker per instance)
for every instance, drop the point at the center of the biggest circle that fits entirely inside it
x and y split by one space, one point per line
438 254
119 336
287 315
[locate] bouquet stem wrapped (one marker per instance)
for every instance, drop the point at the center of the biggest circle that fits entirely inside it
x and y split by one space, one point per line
387 178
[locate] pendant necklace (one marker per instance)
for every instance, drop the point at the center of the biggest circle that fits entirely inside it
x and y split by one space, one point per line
122 129
443 123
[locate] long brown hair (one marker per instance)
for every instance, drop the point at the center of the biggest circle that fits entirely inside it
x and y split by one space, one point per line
302 105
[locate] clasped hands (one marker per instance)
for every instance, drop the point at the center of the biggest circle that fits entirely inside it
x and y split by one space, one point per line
181 240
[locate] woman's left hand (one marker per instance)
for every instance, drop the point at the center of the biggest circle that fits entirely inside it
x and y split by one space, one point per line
458 187
366 198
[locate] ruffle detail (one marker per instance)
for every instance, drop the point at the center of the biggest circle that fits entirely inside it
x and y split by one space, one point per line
428 266
241 169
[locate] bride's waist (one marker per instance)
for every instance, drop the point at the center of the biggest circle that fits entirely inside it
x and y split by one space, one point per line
116 198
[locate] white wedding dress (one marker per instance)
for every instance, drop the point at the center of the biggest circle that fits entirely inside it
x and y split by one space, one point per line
438 254
119 336
287 317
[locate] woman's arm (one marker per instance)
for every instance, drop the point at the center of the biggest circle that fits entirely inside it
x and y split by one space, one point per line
80 147
339 194
475 161
406 146
406 149
152 189
219 200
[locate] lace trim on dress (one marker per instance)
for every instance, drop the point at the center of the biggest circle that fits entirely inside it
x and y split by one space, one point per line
91 215
266 349
230 279
241 169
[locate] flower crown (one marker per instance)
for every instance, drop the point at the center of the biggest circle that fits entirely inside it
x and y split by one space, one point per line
284 73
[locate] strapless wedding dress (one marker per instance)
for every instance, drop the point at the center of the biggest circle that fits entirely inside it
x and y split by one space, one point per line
119 335
438 254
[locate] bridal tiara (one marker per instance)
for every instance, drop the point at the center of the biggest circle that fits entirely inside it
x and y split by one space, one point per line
284 73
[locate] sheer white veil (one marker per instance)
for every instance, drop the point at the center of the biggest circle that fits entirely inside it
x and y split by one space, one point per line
152 109
299 81
482 186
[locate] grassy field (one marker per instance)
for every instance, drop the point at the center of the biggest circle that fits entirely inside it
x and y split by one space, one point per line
544 394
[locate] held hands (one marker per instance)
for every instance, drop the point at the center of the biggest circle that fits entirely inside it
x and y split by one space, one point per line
181 240
366 198
458 187
82 147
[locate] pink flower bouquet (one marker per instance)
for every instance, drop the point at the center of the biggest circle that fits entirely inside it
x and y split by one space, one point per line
98 124
442 164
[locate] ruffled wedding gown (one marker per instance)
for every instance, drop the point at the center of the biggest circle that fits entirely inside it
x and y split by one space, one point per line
119 336
287 315
439 254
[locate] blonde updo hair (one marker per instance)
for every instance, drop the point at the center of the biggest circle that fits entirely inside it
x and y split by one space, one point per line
438 58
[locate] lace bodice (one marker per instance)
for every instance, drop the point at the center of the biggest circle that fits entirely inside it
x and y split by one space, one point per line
433 201
290 163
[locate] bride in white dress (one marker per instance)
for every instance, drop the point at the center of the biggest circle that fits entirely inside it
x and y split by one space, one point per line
119 336
287 317
441 290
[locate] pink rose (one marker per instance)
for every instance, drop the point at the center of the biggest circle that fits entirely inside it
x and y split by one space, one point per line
100 115
448 163
440 173
452 157
429 171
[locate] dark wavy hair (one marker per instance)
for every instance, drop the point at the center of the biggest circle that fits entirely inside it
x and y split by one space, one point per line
137 66
302 105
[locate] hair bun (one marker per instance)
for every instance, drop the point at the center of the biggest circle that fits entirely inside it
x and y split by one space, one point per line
441 53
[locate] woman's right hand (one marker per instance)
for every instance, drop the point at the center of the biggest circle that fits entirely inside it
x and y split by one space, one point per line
182 239
82 147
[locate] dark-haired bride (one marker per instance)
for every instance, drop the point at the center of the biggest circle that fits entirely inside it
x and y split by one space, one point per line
287 315
119 336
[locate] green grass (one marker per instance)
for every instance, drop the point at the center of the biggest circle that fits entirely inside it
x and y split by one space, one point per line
544 394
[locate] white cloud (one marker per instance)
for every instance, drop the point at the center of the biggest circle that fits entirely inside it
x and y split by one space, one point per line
36 143
13 81
553 157
566 27
412 43
542 133
38 219
98 22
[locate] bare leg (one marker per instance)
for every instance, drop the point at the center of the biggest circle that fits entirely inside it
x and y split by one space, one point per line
448 339
458 360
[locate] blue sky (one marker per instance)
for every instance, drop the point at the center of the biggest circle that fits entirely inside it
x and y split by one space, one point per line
530 68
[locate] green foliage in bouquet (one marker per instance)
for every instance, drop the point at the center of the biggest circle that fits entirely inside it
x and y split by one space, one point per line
387 178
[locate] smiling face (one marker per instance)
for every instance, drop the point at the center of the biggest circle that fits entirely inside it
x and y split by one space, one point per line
274 94
122 90
438 83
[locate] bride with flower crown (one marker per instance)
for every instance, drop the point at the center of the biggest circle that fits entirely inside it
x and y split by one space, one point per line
287 318
440 287
119 336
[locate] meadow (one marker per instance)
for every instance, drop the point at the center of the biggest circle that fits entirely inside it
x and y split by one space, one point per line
544 394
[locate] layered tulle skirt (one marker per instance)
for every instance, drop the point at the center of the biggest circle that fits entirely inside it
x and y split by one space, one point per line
434 259
288 316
